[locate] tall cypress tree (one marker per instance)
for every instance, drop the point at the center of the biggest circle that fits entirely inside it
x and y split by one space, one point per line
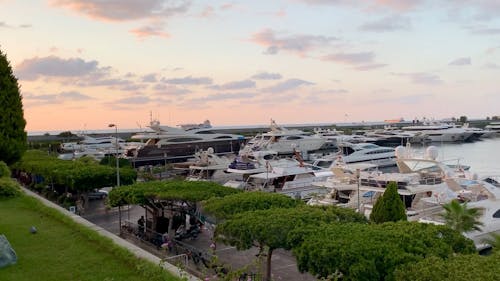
389 207
12 123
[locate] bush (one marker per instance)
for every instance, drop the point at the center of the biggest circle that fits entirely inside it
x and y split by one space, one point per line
4 170
389 207
9 188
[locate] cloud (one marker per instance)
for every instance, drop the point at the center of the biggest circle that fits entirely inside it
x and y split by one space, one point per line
460 61
228 96
491 66
133 100
52 66
57 98
288 85
334 91
124 10
235 85
392 23
188 80
350 58
300 44
149 78
371 66
267 76
150 31
73 95
166 89
207 12
5 25
422 78
483 30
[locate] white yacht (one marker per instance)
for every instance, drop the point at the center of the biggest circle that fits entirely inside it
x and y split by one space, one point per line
358 153
89 142
283 141
207 166
439 132
164 143
288 176
493 126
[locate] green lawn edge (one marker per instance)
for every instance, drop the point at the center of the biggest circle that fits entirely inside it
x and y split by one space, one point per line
140 269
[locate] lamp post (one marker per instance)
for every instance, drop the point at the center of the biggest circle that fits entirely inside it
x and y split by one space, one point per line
116 155
358 171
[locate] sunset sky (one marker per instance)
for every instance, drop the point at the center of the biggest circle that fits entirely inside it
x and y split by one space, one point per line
83 64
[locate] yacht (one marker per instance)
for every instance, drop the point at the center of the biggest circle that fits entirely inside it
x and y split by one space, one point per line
358 153
170 144
283 141
89 142
439 132
289 177
207 166
493 126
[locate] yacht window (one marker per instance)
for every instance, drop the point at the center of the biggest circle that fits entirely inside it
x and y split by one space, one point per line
204 132
184 139
294 138
223 137
497 214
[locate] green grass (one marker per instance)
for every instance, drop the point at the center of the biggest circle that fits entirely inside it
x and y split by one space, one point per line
63 249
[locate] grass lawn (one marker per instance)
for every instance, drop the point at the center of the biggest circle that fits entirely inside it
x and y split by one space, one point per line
63 249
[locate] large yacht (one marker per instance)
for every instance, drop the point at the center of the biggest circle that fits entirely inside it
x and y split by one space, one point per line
493 126
440 132
358 153
283 141
89 142
170 144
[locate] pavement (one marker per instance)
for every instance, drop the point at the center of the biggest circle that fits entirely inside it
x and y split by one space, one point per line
284 266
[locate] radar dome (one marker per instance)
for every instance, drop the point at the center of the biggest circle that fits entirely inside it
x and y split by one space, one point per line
431 152
210 150
400 151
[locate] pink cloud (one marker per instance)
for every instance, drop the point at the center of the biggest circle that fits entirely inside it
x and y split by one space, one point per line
124 10
149 31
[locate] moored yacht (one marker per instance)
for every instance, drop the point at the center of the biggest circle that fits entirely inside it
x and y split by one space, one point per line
283 141
439 132
164 143
358 153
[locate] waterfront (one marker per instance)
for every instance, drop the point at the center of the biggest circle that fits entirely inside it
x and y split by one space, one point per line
482 156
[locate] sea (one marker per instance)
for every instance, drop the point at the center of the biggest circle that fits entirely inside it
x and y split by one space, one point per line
483 156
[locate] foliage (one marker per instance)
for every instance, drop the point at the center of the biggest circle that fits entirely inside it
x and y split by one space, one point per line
111 161
66 134
270 228
459 268
9 188
374 251
494 241
175 190
12 123
81 175
80 253
460 217
225 207
4 170
389 207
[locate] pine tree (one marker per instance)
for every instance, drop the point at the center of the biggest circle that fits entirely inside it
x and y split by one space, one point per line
12 123
389 207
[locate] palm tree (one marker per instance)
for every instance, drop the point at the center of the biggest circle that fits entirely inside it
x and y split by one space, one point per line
462 218
494 241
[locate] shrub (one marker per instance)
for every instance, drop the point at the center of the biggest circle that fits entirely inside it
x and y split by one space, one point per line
389 207
9 188
4 170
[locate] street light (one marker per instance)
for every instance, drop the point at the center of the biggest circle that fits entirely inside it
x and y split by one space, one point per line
116 155
358 172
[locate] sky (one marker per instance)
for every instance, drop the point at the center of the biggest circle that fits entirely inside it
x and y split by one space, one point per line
83 64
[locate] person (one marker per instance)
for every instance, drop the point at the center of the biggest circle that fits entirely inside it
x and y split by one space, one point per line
140 222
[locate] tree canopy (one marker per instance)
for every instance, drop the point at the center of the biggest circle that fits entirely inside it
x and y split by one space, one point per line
389 207
374 251
459 268
175 190
12 123
81 175
225 207
271 227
